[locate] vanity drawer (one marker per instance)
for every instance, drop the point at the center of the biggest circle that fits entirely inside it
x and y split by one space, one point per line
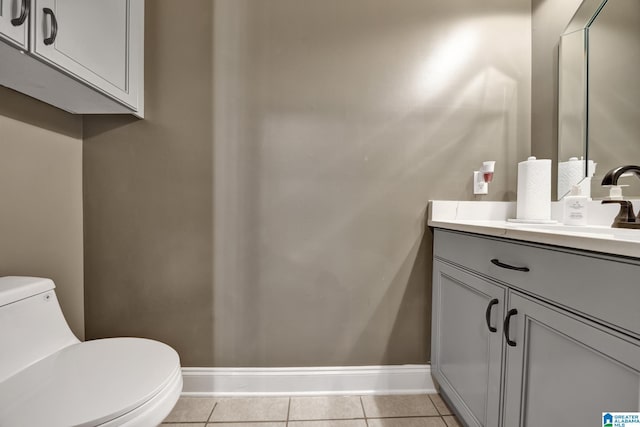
604 288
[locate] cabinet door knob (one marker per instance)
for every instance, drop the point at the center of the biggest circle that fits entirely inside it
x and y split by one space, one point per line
487 314
497 262
24 12
507 324
54 27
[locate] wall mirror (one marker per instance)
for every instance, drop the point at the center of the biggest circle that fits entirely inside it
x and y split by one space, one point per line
599 96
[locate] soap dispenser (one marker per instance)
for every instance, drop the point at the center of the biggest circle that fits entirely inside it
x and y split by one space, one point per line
575 207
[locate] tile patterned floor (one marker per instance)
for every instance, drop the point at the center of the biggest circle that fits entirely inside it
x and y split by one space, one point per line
326 411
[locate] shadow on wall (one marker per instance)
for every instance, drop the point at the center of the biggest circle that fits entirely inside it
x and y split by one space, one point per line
410 292
41 191
148 195
411 317
108 123
28 110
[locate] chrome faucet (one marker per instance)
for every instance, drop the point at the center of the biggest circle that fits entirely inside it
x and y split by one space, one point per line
625 217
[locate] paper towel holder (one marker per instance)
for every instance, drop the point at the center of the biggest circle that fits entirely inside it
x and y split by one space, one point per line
533 204
482 177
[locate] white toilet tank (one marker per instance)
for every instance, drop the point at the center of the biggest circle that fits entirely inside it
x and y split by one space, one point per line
32 325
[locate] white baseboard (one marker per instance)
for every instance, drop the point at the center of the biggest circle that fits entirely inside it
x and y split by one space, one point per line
343 380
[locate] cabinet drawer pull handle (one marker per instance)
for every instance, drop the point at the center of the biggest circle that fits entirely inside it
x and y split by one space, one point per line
487 315
507 323
54 26
24 12
497 262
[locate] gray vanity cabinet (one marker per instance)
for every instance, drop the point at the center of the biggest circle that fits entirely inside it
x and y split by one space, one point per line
566 369
566 345
467 355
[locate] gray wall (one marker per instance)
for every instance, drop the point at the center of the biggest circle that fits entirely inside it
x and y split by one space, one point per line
269 210
614 92
41 198
148 194
335 123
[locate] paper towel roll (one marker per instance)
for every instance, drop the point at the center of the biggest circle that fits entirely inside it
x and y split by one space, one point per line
534 190
571 173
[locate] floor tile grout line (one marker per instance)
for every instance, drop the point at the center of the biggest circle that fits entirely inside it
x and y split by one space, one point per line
306 420
450 412
288 412
405 416
211 413
364 414
434 405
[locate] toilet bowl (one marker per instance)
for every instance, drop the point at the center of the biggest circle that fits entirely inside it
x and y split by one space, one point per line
48 377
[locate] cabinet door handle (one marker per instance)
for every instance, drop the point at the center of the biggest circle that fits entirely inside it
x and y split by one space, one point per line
54 26
24 12
487 314
497 262
507 324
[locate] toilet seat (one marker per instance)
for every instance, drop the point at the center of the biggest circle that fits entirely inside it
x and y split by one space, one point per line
103 382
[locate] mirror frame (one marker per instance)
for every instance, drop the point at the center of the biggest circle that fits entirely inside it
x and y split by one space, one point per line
573 114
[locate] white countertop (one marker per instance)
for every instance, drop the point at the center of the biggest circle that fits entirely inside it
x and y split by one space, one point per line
490 218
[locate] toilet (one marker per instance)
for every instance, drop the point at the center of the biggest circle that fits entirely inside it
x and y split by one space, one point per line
49 378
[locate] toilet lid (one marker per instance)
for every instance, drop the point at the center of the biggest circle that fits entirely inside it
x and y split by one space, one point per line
88 383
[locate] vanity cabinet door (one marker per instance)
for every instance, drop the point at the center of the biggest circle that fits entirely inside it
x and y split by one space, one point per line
466 355
14 22
98 42
564 370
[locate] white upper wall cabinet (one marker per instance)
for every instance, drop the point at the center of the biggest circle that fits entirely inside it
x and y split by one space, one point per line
93 40
14 22
84 56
